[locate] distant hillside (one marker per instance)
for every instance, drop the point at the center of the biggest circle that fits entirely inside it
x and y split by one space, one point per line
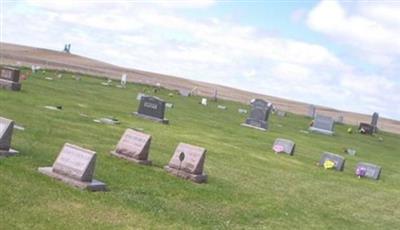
18 55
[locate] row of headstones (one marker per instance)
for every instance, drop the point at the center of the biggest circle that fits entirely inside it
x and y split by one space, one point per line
330 160
75 165
9 78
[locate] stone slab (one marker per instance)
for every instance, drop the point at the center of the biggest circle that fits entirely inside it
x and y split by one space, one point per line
322 131
93 185
372 171
254 127
197 178
339 160
288 145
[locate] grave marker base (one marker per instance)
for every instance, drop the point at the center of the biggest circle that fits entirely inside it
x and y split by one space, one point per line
197 178
93 186
322 131
8 153
254 127
163 121
142 162
14 86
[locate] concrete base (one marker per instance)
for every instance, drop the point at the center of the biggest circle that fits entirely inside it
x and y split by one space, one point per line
254 127
8 153
94 185
202 178
322 131
142 162
163 121
14 86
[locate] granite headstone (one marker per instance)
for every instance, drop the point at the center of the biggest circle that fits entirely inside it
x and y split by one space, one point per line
284 146
369 170
337 159
323 124
6 130
259 115
9 78
152 108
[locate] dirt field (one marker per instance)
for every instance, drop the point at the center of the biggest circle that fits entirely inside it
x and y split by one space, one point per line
17 55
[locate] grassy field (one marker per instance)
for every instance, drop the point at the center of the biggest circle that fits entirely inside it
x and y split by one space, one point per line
249 186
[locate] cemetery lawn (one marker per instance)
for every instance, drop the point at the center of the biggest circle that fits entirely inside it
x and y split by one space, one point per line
249 186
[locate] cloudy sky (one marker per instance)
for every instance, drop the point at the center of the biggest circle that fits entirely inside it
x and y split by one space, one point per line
340 54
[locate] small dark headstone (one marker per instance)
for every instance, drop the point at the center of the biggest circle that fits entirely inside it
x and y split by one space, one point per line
9 78
6 130
368 170
374 122
259 115
365 128
152 108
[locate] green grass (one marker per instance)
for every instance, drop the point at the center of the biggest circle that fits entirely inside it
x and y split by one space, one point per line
249 187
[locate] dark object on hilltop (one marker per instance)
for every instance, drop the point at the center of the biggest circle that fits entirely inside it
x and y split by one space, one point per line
67 48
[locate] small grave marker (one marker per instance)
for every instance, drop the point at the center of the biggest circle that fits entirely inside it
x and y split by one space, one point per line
152 108
284 146
259 115
336 160
368 170
323 124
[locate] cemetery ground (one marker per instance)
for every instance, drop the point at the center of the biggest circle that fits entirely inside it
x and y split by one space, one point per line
249 186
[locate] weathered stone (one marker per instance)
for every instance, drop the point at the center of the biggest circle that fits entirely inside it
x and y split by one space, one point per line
188 162
75 166
134 146
259 115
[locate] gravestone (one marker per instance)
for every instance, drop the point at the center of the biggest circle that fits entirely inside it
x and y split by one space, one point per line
323 124
204 101
365 128
6 130
75 166
284 146
259 115
223 107
337 159
188 163
215 98
134 146
9 78
311 111
169 105
368 170
374 122
152 108
123 80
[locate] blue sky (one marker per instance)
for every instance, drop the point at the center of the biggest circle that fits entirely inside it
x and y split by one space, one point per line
341 54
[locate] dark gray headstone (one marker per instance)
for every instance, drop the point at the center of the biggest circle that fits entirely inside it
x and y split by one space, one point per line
152 108
366 128
75 166
374 121
9 78
288 146
371 170
259 114
6 130
337 159
323 124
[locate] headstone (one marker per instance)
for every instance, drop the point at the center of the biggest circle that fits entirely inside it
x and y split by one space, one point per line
204 101
139 96
243 111
6 130
221 107
323 124
184 92
336 159
311 111
9 78
259 115
368 170
123 79
281 113
365 128
284 146
188 162
134 146
107 121
374 122
152 108
75 166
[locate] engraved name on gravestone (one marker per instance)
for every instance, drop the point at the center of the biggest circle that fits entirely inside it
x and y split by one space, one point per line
75 166
152 108
337 159
134 146
259 114
192 164
323 124
6 130
284 145
369 170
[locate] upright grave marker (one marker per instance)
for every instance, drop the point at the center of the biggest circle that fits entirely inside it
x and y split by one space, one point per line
284 146
188 163
323 124
123 80
374 121
9 78
6 129
204 101
259 115
134 146
331 160
152 108
368 170
75 166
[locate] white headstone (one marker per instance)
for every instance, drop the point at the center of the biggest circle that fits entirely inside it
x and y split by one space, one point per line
123 79
204 101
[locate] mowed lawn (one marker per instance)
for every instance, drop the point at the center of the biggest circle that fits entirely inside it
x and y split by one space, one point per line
249 186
